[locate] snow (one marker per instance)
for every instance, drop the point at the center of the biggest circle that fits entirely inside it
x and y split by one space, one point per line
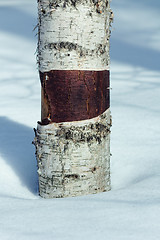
131 210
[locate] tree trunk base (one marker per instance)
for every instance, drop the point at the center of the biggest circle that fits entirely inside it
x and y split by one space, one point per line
74 157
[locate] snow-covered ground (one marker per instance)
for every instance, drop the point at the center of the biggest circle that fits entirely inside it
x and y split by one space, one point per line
131 211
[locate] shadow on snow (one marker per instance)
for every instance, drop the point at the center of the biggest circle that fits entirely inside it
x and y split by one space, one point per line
17 22
17 149
134 55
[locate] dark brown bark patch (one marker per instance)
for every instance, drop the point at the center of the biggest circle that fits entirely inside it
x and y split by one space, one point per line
73 95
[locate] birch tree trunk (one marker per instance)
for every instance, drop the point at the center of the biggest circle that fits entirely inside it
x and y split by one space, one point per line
72 139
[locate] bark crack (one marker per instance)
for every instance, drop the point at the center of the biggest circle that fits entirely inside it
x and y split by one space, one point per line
88 96
46 101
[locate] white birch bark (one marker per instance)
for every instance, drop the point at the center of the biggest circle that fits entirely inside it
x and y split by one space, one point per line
73 157
74 35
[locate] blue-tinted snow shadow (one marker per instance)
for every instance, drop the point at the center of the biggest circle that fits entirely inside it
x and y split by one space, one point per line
17 150
134 55
17 22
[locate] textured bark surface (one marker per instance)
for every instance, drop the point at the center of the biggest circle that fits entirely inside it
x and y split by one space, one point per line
73 138
74 157
73 34
74 95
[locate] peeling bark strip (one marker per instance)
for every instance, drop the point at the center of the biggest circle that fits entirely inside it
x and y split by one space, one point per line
74 157
74 95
